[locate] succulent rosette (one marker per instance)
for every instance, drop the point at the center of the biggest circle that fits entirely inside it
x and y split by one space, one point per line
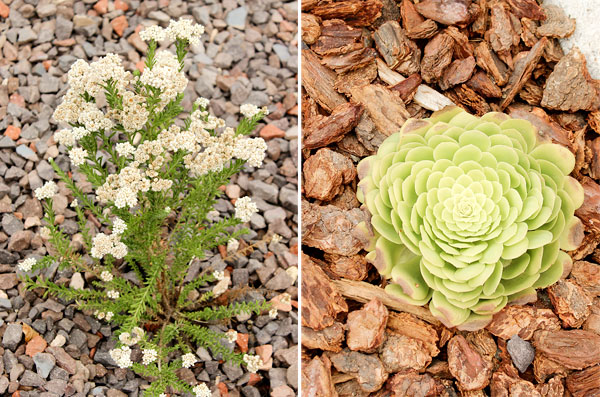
470 213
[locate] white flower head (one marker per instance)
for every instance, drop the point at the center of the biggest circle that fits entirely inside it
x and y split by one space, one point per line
202 390
74 203
249 110
233 245
27 264
273 313
119 226
65 137
47 191
253 363
276 238
219 275
112 294
185 29
45 233
231 335
153 32
77 156
286 298
124 149
109 316
99 315
244 208
106 276
202 102
122 356
188 360
149 356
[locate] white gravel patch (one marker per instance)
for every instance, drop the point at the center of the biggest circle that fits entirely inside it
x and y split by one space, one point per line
587 32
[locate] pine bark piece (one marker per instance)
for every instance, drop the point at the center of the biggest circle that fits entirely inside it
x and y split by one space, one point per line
527 9
416 26
502 36
384 107
357 77
411 383
318 81
594 120
446 12
482 84
522 321
425 96
570 86
337 37
504 385
368 134
471 100
409 325
364 292
355 12
329 338
401 353
347 201
585 383
483 342
311 28
321 302
332 230
531 93
459 71
468 367
350 61
553 388
554 51
528 30
398 51
436 57
316 378
333 128
522 73
587 275
547 128
350 388
408 88
557 23
575 349
543 367
480 23
367 369
353 267
366 327
308 5
325 172
490 62
352 146
570 302
589 212
462 47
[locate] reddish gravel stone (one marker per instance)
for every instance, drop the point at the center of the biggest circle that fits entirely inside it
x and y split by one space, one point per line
270 131
12 132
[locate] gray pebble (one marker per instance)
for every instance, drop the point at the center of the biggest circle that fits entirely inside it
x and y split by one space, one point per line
237 18
12 336
521 352
44 363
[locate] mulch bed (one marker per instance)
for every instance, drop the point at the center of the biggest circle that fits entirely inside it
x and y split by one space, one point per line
368 66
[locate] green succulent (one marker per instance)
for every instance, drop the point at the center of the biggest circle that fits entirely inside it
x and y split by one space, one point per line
470 213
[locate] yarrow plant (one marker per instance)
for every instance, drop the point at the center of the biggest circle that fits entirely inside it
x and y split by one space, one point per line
155 181
470 213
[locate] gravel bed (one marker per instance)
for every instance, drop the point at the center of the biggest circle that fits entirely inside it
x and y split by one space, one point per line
248 55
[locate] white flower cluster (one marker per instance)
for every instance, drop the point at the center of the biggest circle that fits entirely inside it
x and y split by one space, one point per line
134 115
90 78
122 356
232 245
119 226
165 75
273 313
276 238
74 203
112 294
252 150
249 110
101 315
122 188
185 29
153 32
149 356
244 208
202 390
131 339
125 149
27 264
253 363
103 244
231 335
218 275
188 360
106 276
77 156
202 102
47 191
286 298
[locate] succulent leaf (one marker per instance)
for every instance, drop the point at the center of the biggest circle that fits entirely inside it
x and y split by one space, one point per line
470 213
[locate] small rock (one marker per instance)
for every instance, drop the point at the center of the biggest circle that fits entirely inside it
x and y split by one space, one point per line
30 378
49 84
77 281
237 18
521 352
36 345
271 131
20 240
12 132
44 363
265 191
26 153
12 335
8 281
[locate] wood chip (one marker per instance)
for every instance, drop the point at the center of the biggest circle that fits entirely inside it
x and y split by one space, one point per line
469 368
353 267
408 88
384 107
398 51
333 128
436 57
459 71
358 77
321 303
470 100
368 134
411 326
522 73
594 120
355 12
447 12
528 29
502 36
366 327
349 61
325 172
416 26
527 9
482 84
587 275
332 230
490 62
311 28
570 302
570 86
337 38
543 368
585 383
557 23
532 93
553 388
575 349
329 338
522 321
462 46
316 378
318 82
589 212
367 369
